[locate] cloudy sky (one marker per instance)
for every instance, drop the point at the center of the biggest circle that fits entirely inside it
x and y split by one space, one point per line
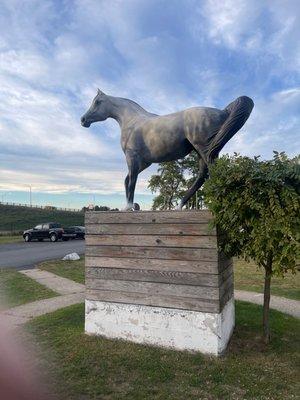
166 55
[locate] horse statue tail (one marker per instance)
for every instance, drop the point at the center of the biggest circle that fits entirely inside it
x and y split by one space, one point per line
239 111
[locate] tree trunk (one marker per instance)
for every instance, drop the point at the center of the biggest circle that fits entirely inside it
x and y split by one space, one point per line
266 307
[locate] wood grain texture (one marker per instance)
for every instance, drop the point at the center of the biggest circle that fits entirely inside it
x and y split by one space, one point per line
146 217
159 289
174 277
204 242
223 261
204 267
223 289
190 303
149 229
225 274
226 297
164 253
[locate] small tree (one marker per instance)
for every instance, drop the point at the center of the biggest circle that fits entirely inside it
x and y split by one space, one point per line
256 205
172 181
190 166
169 182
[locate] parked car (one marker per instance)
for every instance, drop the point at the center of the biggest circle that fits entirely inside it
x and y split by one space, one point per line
48 230
79 231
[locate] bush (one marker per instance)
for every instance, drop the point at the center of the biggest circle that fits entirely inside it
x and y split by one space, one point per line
256 205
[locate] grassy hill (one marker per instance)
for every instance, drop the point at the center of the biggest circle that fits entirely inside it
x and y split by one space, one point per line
16 218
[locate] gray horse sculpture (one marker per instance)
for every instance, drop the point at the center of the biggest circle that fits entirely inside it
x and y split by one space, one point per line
148 138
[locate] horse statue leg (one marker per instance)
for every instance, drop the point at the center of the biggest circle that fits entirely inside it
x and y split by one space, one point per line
202 175
135 166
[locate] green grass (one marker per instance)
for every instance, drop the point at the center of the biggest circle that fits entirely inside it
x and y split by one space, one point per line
19 218
86 367
10 239
247 276
68 269
17 289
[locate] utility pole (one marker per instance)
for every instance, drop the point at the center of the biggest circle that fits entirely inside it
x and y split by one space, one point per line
30 195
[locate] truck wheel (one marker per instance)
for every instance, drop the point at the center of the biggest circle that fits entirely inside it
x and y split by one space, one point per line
27 238
53 237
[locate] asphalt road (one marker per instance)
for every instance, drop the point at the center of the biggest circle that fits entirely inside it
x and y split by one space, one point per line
26 255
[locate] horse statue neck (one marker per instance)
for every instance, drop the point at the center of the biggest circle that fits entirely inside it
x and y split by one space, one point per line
124 110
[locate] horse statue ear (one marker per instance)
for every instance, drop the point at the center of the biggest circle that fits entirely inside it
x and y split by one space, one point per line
100 92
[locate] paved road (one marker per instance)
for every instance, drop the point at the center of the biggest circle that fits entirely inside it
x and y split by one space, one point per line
24 255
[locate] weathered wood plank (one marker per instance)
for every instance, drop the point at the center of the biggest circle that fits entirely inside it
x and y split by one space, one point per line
205 267
226 296
207 242
201 292
166 259
181 303
225 286
223 261
165 253
225 274
146 217
174 277
149 229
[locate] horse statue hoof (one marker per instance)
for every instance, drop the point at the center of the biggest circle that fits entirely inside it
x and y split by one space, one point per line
136 207
132 207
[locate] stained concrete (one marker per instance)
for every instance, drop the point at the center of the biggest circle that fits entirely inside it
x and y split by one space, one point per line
165 327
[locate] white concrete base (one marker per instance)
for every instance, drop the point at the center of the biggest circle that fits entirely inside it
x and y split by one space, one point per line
178 329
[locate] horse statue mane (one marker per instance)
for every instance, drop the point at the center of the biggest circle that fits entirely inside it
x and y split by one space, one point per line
148 138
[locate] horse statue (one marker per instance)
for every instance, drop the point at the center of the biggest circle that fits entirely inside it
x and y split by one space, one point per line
148 138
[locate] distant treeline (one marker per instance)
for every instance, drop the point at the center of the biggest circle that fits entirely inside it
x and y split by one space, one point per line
16 218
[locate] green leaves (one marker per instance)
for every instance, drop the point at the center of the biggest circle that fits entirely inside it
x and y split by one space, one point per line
256 204
169 182
172 180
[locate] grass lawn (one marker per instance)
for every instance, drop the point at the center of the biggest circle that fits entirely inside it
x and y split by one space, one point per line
68 269
247 276
10 239
86 367
17 289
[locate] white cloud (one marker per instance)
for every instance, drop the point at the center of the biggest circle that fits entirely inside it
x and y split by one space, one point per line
231 21
270 27
43 122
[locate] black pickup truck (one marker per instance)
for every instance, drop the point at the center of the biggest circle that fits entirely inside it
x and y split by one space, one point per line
49 230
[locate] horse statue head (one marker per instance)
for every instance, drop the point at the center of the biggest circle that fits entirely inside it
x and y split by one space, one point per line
98 111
